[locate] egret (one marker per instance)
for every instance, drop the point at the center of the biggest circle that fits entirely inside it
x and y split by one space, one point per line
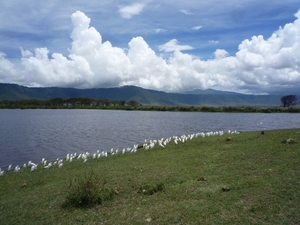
33 168
9 167
67 157
17 169
175 140
1 172
31 164
152 144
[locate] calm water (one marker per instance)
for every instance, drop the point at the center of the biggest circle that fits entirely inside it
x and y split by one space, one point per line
33 134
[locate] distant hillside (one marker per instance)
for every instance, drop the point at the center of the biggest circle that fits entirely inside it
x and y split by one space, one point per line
209 92
144 96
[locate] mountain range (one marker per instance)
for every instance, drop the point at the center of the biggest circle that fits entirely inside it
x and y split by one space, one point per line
207 97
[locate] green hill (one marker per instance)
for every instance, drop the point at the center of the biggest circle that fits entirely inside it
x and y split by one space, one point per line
143 96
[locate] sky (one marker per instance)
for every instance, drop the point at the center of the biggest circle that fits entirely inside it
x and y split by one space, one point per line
249 46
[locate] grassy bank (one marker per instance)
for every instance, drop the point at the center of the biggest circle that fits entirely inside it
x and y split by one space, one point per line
262 171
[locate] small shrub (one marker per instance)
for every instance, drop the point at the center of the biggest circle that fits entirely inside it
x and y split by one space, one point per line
150 189
88 191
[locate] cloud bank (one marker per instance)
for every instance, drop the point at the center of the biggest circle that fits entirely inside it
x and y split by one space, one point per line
259 66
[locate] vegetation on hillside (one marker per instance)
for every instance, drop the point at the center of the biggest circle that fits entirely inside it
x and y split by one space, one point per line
88 103
13 92
246 178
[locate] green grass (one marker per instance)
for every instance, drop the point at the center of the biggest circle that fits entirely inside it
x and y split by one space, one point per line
262 171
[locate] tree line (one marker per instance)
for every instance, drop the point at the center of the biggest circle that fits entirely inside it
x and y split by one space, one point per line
88 103
78 102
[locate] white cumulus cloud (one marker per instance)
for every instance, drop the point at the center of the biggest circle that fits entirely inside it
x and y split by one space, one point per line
129 11
173 45
260 64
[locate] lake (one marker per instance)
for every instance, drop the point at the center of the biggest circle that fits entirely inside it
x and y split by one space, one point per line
33 134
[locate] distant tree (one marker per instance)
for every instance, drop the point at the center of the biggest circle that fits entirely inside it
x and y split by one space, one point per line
132 103
56 101
289 100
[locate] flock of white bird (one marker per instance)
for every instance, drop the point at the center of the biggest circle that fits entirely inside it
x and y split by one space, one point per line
85 156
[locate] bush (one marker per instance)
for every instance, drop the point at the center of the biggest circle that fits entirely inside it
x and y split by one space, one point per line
150 189
88 191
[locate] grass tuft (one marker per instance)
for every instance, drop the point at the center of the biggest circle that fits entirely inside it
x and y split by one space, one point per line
88 191
150 189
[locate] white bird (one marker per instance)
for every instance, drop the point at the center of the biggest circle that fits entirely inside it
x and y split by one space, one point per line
67 157
152 144
17 169
9 167
31 164
33 168
175 140
48 166
60 165
160 144
2 173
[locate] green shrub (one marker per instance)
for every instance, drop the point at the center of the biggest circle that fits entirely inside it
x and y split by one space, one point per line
88 191
150 189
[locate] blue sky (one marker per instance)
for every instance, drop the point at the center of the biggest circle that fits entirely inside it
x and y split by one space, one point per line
249 46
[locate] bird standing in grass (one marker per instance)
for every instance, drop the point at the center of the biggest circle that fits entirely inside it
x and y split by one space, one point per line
33 168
